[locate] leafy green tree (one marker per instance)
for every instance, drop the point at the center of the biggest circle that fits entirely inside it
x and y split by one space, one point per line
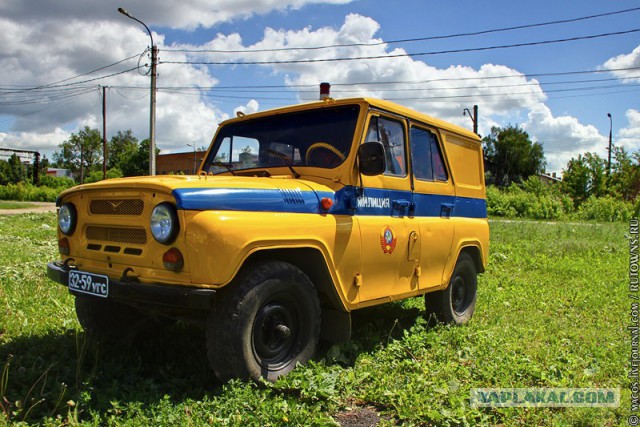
138 163
584 177
121 147
13 171
84 146
624 181
96 176
511 155
5 172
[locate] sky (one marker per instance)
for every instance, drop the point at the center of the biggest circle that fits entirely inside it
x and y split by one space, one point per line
554 67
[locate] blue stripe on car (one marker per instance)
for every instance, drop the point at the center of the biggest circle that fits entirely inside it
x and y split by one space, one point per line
347 201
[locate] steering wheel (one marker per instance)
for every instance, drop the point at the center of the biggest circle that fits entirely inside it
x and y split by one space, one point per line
333 150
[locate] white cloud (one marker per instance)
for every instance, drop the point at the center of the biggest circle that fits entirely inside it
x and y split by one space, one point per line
440 92
629 136
251 107
186 14
46 143
621 62
72 50
562 137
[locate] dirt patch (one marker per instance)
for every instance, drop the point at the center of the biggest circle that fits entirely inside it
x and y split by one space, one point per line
38 207
359 416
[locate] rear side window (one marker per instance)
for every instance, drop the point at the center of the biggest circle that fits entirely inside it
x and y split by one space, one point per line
426 157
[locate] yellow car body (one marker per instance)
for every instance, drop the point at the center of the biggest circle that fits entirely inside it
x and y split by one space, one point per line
362 239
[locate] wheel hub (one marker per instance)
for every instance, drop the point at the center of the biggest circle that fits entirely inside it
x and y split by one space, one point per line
274 333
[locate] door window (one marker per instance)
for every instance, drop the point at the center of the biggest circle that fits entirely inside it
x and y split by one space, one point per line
426 157
391 134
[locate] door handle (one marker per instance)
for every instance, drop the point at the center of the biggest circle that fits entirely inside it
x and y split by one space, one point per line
401 206
446 209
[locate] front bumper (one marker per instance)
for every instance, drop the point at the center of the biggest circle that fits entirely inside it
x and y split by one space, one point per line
171 296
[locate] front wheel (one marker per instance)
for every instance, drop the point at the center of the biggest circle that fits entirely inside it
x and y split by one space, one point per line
457 302
267 321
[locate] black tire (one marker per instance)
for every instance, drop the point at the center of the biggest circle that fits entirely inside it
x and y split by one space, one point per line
266 322
107 320
457 302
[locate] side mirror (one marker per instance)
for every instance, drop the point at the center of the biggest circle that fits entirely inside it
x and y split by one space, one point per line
371 158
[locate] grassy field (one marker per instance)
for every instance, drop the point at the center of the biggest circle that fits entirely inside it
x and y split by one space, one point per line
551 313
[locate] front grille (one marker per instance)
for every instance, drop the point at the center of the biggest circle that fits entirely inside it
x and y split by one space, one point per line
130 235
131 207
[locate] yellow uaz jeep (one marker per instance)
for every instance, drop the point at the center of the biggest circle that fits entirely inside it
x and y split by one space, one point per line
297 216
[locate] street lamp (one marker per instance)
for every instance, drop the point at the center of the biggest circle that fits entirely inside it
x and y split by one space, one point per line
152 113
194 156
473 116
610 140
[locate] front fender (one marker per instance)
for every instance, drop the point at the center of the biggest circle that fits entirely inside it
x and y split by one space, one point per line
218 242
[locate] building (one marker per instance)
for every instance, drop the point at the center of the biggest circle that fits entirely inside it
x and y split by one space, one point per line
179 163
59 173
549 178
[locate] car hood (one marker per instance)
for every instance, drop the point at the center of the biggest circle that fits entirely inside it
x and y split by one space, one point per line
224 192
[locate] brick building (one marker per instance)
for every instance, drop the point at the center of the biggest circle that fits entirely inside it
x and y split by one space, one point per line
179 163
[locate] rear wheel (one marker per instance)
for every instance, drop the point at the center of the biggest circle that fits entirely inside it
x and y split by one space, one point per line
267 321
457 302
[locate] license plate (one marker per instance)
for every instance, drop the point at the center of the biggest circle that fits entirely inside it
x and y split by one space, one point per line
89 283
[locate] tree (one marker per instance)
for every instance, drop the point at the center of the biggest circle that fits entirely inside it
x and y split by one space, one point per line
584 177
12 171
121 147
625 174
511 156
85 146
137 164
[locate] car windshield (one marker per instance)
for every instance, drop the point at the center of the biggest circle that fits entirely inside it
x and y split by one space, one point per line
320 138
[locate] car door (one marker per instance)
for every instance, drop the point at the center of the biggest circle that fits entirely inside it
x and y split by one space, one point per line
434 199
383 212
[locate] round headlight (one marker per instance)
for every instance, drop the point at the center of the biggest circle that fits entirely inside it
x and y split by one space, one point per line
164 223
67 218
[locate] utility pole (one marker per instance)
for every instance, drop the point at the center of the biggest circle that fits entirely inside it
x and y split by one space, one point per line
610 144
474 117
81 163
152 120
104 132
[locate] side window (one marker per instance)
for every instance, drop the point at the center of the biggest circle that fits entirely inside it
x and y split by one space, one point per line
426 158
439 171
391 134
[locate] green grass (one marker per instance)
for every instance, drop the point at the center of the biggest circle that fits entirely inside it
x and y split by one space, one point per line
551 313
6 204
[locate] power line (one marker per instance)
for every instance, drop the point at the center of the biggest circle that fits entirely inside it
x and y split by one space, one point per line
58 85
406 82
409 40
400 55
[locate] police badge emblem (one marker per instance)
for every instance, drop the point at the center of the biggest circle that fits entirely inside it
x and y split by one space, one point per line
388 240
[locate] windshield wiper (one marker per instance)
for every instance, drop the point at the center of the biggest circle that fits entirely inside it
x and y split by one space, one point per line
227 166
286 160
